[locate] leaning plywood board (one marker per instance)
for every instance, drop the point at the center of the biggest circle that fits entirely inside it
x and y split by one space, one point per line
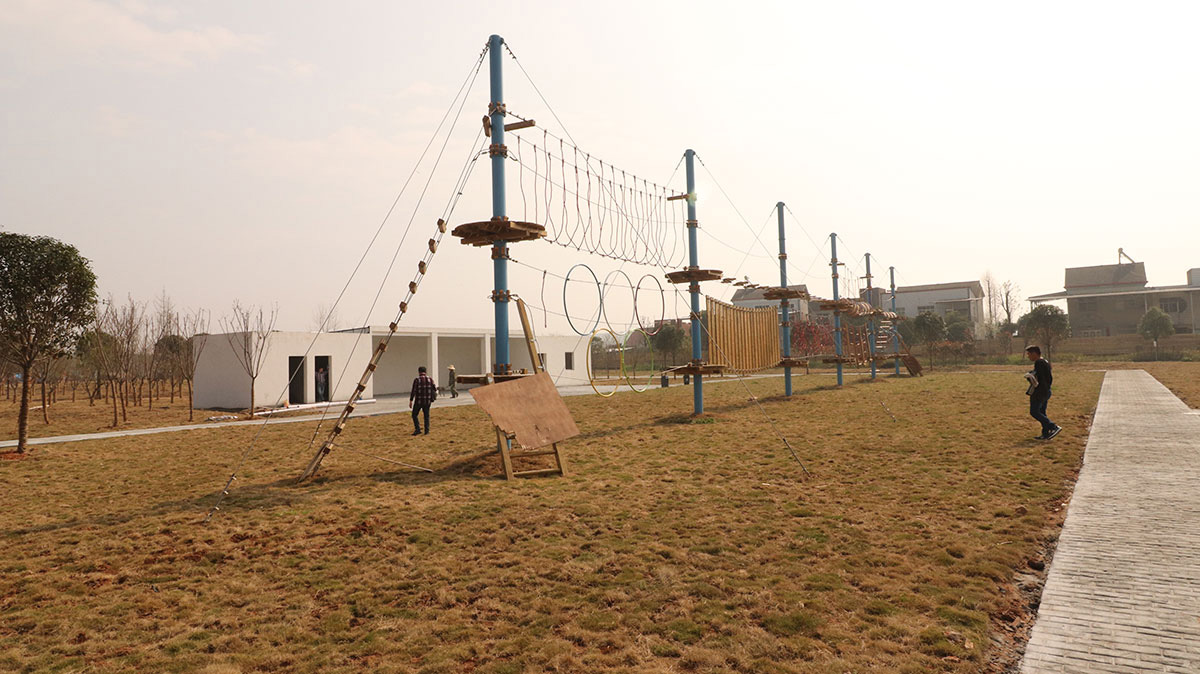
529 408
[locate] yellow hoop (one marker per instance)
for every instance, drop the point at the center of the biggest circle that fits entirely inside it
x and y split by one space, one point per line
625 373
592 381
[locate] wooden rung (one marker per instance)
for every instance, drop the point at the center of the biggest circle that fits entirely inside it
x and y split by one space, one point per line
403 307
540 471
371 367
412 287
441 226
432 242
360 388
421 266
534 452
677 197
519 125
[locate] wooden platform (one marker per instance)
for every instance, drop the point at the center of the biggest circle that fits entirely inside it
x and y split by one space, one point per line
698 368
792 362
690 274
782 293
487 232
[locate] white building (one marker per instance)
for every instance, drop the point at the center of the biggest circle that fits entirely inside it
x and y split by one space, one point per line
965 297
222 382
753 297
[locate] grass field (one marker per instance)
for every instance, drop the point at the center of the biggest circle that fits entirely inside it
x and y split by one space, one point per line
67 417
673 545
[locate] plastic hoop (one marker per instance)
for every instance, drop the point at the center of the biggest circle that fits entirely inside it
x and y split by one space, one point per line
662 295
625 373
592 380
604 313
599 296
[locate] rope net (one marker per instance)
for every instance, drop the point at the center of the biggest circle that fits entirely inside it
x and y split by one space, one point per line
592 206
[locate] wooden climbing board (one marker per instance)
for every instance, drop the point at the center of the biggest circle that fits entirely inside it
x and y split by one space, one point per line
530 412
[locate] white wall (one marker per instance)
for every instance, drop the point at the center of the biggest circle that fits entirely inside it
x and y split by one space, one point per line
399 364
464 353
221 382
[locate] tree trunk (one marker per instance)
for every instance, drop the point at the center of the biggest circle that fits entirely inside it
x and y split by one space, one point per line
45 404
112 390
251 398
23 414
172 390
191 402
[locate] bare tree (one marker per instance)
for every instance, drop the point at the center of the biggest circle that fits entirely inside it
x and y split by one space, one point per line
155 328
48 370
992 292
247 333
1010 297
325 319
118 344
194 327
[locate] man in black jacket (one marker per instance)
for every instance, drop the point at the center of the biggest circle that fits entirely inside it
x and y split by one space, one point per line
1039 396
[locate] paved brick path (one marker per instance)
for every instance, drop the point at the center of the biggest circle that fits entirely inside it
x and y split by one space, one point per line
1123 592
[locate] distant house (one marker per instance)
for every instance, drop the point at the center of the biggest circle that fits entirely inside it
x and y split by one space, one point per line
1111 299
964 297
753 297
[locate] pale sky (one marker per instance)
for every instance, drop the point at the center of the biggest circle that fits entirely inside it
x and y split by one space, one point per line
249 150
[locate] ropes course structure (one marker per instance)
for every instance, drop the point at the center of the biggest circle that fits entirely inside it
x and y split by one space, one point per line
594 207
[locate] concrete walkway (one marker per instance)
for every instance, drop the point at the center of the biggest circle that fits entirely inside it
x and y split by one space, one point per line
1123 591
386 404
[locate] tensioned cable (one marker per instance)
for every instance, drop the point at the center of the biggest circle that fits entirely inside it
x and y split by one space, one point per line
462 92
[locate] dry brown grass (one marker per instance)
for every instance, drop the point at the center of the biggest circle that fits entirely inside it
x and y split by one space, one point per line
68 418
672 546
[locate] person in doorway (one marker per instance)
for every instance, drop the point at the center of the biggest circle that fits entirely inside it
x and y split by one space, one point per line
1039 392
420 397
453 383
322 385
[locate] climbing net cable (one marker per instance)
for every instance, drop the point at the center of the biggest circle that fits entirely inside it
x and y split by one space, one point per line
458 101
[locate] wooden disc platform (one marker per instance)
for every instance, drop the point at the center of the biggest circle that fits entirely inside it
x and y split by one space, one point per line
690 274
782 293
792 362
487 232
698 368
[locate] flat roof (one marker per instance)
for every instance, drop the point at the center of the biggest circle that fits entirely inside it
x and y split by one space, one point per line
970 285
1063 295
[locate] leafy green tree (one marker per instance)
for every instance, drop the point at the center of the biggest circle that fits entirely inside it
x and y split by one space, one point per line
47 299
958 327
1045 325
929 329
669 339
1155 325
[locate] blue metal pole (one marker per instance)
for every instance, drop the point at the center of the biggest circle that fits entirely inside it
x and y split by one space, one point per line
871 320
784 310
496 112
837 316
693 262
895 331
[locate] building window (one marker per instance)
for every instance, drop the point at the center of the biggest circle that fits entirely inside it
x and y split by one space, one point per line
1172 305
1091 333
542 361
570 361
927 309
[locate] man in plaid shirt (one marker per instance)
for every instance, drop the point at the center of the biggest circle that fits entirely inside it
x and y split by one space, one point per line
423 393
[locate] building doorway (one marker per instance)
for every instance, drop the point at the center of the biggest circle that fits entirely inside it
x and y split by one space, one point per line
295 380
321 378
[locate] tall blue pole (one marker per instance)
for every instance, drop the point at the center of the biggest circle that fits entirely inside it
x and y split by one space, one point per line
837 316
694 263
895 331
871 320
784 309
496 112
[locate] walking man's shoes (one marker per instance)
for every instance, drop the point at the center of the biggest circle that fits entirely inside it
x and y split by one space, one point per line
1056 431
417 432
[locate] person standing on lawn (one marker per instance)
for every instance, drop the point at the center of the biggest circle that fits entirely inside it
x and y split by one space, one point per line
420 397
1039 394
